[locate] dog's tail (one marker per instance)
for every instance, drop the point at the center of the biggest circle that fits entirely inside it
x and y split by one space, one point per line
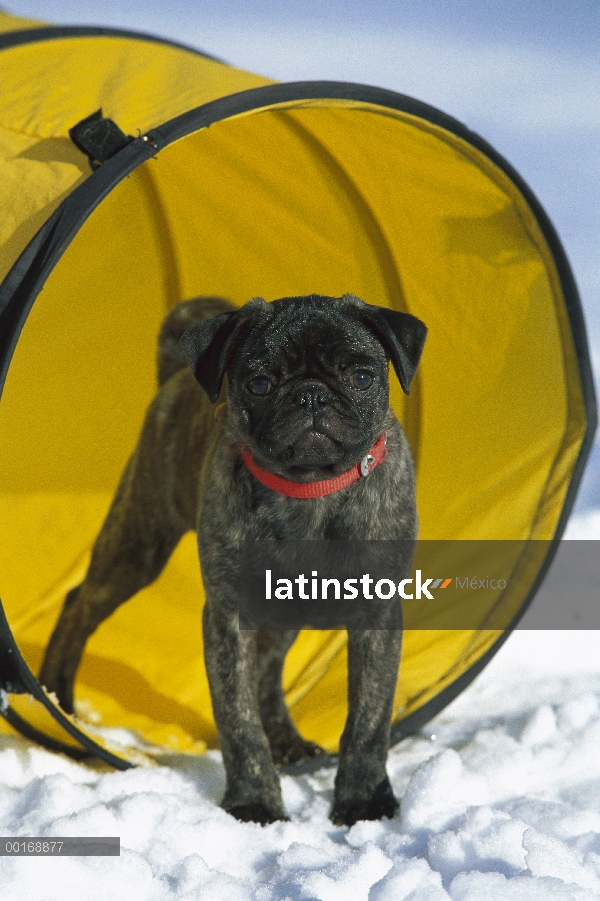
171 357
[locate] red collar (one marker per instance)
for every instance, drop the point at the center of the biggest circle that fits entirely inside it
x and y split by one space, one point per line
376 455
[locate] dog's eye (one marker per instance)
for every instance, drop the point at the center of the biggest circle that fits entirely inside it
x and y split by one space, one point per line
361 379
260 385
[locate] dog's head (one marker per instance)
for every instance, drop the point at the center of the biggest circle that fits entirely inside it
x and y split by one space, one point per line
308 385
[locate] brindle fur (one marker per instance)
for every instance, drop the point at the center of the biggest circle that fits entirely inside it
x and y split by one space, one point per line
187 473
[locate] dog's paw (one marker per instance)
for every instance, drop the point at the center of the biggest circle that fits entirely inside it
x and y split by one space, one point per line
296 749
256 813
59 688
381 803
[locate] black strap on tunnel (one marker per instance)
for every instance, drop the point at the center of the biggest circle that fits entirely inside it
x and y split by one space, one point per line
99 138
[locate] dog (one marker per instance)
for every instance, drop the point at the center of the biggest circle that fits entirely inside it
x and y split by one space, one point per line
301 391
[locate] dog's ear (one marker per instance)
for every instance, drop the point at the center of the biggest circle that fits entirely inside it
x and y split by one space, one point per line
206 346
402 335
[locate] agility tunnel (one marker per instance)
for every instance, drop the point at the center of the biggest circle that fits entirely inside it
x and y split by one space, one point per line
135 173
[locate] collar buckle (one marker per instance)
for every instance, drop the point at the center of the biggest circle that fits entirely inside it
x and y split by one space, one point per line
366 465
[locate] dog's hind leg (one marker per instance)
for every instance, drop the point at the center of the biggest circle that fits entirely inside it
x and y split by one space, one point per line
287 745
103 590
130 552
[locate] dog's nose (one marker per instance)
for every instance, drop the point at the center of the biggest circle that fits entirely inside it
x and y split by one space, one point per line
311 397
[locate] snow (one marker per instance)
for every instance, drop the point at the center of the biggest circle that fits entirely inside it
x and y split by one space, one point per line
500 799
501 795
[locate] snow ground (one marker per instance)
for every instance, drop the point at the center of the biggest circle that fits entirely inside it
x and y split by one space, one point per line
500 800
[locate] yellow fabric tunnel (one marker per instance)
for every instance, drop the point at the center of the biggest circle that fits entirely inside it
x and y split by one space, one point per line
198 178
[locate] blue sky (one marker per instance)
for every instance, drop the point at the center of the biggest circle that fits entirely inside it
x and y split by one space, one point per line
554 22
525 75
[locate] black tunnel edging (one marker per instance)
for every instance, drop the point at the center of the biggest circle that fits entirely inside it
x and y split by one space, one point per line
53 33
22 679
34 735
28 275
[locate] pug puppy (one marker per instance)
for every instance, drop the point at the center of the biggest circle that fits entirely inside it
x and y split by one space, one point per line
303 446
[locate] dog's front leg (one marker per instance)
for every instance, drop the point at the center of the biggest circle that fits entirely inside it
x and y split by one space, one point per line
362 787
253 792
